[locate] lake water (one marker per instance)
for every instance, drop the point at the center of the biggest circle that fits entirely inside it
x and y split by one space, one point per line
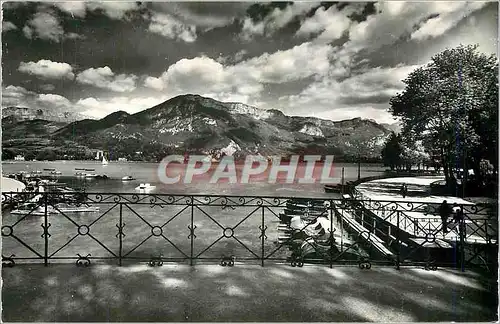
147 173
142 221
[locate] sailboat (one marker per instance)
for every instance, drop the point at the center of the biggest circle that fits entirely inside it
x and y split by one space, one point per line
104 161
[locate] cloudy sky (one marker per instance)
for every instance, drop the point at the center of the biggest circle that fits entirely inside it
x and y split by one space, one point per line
334 61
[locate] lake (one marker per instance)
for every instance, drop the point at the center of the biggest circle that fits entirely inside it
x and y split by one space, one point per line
142 222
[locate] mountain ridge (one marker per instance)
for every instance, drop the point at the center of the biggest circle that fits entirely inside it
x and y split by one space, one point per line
195 124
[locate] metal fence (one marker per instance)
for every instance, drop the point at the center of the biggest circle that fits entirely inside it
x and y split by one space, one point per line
157 228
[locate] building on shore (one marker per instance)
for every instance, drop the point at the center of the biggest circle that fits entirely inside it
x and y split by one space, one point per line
19 157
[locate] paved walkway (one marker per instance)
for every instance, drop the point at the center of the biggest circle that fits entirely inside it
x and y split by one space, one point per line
9 185
139 293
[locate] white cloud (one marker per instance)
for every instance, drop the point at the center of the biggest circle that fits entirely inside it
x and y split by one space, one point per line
327 24
277 19
15 96
104 78
47 87
53 100
113 9
205 15
203 74
44 25
449 18
47 69
75 8
395 19
170 27
7 25
367 92
102 107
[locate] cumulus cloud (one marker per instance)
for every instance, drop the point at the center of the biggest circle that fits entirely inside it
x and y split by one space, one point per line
53 100
328 24
204 15
395 19
112 9
105 78
74 8
275 20
47 69
15 96
170 27
448 18
204 74
370 88
44 25
7 25
47 87
99 108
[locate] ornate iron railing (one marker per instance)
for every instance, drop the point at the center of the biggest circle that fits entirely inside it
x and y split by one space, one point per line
158 228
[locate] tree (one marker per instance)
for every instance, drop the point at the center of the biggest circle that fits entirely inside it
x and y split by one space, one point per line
392 151
414 154
46 154
451 106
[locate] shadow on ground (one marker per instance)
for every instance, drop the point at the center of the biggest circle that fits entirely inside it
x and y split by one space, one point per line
139 293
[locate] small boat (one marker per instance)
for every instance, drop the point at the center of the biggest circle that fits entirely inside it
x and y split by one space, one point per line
127 178
56 172
80 174
104 161
90 175
145 186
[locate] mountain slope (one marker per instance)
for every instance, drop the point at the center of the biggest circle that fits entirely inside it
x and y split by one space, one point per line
197 124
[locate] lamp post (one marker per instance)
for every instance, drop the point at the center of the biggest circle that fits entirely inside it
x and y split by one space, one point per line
359 165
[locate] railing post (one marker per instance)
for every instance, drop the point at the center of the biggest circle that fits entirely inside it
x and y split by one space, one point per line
120 234
262 236
46 231
331 234
192 232
462 233
398 245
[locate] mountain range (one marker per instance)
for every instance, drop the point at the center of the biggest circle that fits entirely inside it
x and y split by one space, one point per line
195 124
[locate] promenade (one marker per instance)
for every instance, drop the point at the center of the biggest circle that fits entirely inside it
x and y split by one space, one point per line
213 293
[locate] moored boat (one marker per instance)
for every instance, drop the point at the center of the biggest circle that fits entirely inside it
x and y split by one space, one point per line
145 186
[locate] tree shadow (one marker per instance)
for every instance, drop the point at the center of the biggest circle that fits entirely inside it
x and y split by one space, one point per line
250 293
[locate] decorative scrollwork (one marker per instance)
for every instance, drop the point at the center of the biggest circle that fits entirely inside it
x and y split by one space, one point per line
153 201
430 237
430 265
83 261
364 264
8 261
263 231
120 230
46 230
227 261
191 230
7 230
98 198
156 261
296 260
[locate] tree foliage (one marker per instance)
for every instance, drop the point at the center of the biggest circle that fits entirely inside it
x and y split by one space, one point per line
451 106
392 151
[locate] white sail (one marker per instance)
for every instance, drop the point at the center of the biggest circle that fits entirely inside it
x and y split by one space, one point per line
104 161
